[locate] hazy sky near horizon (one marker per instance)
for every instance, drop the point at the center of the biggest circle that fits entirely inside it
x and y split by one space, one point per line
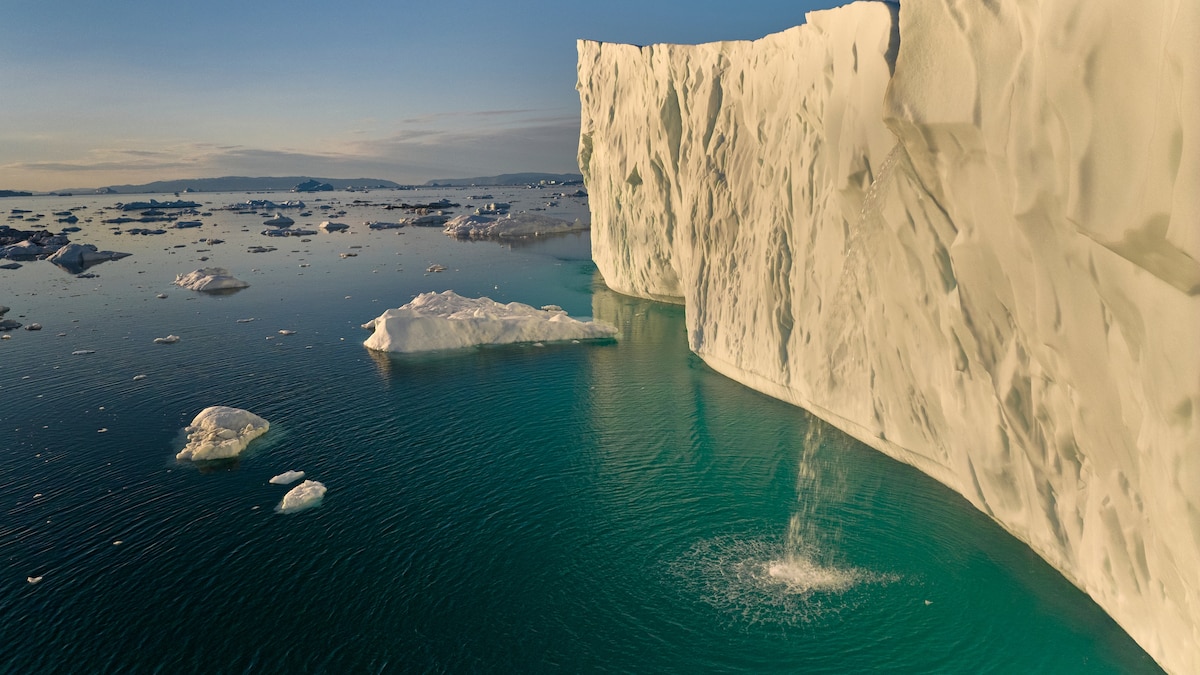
132 91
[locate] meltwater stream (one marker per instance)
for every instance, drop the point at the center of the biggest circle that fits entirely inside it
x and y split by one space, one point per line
564 508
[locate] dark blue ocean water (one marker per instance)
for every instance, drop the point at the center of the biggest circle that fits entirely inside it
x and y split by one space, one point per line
612 507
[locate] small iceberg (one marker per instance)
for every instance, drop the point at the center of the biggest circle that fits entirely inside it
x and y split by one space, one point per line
434 321
287 478
221 432
518 225
75 258
169 340
304 496
333 227
209 279
279 220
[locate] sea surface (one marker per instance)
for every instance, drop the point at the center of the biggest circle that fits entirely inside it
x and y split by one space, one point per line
600 507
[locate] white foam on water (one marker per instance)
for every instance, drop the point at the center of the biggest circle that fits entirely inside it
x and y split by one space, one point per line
801 575
760 581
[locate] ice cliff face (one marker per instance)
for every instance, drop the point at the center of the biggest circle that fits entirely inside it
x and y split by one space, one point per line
968 236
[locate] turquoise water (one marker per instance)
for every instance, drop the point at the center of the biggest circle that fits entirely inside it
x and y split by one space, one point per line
599 507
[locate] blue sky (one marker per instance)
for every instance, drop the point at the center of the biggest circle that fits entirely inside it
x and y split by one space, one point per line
129 91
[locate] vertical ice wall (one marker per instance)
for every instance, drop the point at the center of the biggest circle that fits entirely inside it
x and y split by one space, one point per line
977 254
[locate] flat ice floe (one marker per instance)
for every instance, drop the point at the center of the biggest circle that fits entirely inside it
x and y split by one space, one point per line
446 320
221 432
287 477
304 496
516 225
209 279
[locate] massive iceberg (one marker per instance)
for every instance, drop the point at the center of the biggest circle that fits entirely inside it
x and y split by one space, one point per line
965 234
447 320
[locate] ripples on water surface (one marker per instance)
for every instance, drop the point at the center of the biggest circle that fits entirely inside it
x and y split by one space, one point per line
599 507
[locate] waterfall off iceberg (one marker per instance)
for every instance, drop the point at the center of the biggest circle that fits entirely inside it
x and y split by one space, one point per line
434 321
965 235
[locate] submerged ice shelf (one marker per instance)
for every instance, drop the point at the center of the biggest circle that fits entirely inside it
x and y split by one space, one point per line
941 232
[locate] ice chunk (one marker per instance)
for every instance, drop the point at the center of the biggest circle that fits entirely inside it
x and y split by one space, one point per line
169 340
221 432
287 477
517 225
449 321
76 257
209 279
304 496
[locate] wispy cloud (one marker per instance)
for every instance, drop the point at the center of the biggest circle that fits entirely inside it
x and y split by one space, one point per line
411 150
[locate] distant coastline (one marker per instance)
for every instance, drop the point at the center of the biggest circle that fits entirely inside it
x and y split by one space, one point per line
509 179
304 184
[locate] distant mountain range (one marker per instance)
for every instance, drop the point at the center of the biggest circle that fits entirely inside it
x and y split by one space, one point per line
508 179
234 184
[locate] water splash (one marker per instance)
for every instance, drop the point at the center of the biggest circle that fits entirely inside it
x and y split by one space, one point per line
793 580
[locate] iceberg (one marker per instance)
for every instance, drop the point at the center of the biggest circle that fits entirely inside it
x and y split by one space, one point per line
279 220
75 258
434 321
209 279
221 432
304 496
965 235
287 477
474 226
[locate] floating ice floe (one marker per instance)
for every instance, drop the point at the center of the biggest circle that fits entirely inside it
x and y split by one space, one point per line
287 477
333 227
221 432
279 220
209 279
434 321
76 257
517 225
304 496
427 220
288 232
169 340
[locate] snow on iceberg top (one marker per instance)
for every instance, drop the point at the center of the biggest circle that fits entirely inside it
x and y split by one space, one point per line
209 279
221 432
447 320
